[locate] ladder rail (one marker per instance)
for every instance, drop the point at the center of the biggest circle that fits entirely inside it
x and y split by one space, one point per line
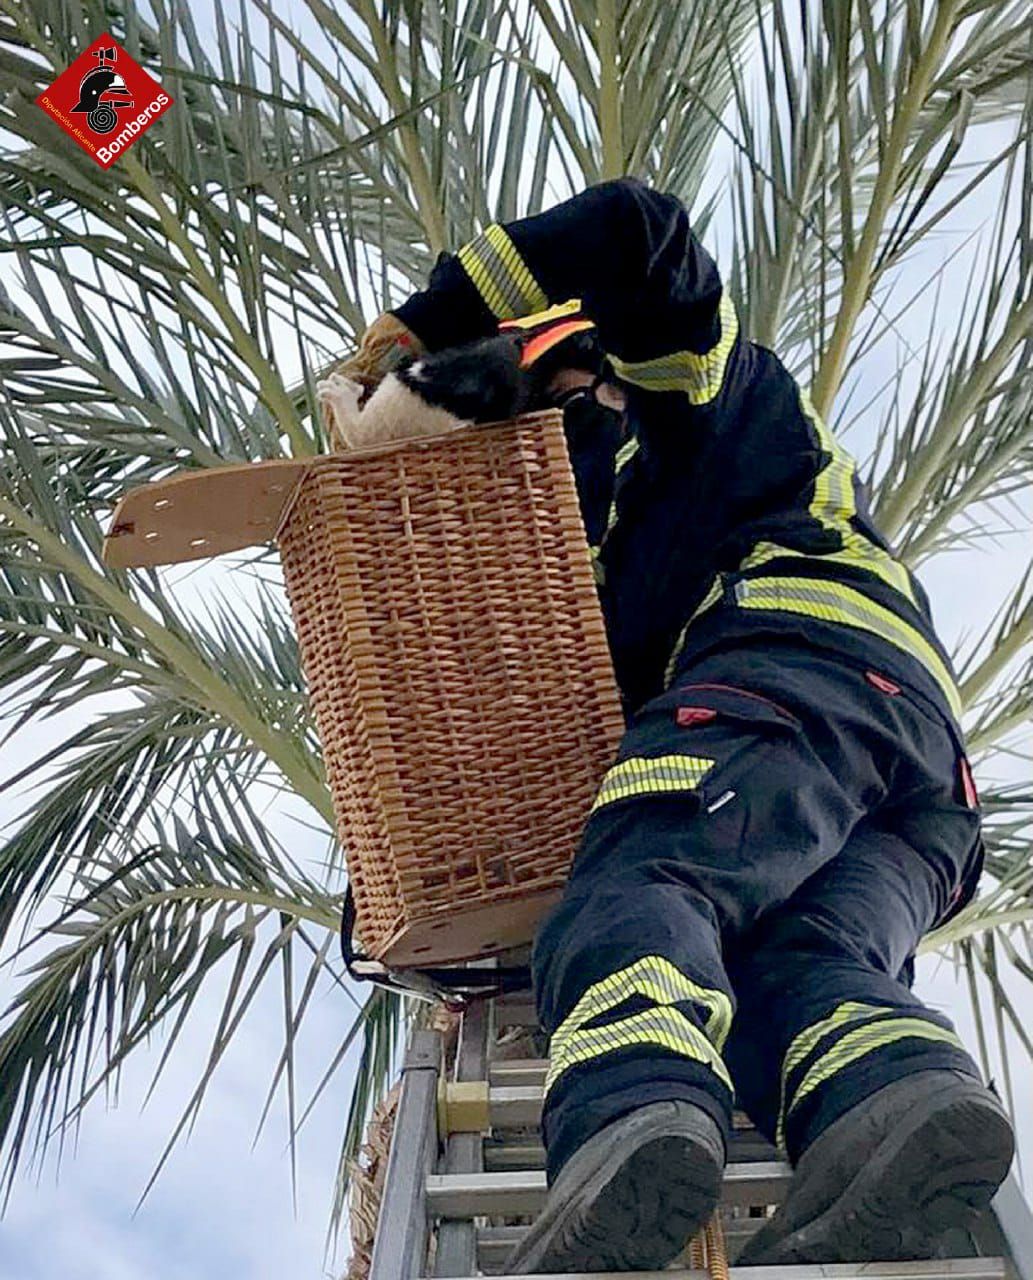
1014 1220
464 1152
403 1226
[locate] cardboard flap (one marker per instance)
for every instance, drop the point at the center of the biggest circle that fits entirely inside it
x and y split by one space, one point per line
198 513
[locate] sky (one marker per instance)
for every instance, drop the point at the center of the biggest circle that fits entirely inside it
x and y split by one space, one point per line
223 1206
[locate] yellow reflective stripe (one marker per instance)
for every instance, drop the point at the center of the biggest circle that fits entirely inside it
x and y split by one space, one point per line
623 456
801 1046
666 1028
501 276
833 506
857 553
560 311
855 1044
621 459
806 1040
598 568
700 377
833 500
834 602
651 775
711 598
657 979
532 294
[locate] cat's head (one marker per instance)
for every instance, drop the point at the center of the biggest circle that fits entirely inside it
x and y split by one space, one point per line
478 382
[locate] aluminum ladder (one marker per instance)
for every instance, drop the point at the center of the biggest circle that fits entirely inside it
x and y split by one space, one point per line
466 1154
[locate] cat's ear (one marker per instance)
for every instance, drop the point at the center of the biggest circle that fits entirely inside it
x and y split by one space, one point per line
503 348
515 344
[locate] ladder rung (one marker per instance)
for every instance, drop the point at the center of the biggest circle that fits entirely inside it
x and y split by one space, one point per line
948 1269
495 1244
509 1157
526 1073
468 1195
528 1152
519 1106
514 1106
518 1071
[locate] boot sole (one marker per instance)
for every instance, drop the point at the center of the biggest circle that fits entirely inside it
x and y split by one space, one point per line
634 1210
938 1169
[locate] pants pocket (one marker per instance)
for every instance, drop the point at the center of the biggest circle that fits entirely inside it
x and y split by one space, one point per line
693 744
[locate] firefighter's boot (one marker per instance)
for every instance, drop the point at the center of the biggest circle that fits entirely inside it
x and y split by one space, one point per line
631 1197
886 1179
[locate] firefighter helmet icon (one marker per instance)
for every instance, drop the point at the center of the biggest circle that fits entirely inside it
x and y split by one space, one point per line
102 93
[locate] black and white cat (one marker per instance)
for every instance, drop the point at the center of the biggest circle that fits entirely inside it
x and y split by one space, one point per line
479 382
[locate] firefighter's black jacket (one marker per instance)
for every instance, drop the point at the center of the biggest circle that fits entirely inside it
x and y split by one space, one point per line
732 514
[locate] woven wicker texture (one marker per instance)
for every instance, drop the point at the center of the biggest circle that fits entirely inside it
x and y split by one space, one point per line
460 678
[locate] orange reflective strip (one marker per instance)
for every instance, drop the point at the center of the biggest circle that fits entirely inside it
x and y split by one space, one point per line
542 342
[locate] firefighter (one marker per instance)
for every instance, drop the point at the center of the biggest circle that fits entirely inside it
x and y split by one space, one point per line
790 809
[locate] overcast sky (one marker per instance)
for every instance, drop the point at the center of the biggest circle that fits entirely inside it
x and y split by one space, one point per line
222 1209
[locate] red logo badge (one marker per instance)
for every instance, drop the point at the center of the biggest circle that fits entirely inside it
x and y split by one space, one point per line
104 101
881 682
695 715
968 783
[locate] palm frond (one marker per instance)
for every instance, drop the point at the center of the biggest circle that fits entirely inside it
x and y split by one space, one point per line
142 938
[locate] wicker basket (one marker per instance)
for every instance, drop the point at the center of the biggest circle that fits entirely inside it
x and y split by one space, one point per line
460 678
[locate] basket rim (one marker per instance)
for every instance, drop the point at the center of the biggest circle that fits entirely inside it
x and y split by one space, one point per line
543 417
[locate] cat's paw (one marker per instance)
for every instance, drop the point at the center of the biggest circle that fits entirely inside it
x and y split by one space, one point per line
338 398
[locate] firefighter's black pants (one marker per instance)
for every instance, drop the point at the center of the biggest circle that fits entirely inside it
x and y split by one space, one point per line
777 833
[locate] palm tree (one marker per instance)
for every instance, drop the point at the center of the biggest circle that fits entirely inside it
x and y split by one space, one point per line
175 310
